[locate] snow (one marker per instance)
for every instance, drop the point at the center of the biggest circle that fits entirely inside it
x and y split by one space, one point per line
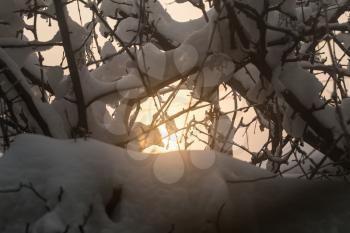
110 8
79 36
345 109
289 7
88 171
158 192
21 54
344 38
185 58
128 30
14 22
130 81
183 190
53 121
105 128
180 31
292 75
288 78
157 16
152 61
224 133
247 76
293 123
60 84
203 160
169 170
307 12
113 68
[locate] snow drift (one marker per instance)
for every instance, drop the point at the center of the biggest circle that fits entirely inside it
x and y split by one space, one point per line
49 185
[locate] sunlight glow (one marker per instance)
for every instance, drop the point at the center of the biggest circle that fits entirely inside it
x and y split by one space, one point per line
174 141
169 141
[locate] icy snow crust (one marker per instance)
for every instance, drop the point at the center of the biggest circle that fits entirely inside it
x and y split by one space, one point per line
67 184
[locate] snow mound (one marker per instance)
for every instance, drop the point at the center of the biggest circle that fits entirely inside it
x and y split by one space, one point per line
50 186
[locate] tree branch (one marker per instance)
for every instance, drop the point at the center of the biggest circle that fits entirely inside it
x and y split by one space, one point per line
26 97
82 127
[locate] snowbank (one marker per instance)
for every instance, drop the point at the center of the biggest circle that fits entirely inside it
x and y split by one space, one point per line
50 185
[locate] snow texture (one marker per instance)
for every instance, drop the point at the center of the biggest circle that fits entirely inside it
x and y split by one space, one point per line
48 184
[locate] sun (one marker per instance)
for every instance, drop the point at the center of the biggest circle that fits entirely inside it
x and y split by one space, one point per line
171 142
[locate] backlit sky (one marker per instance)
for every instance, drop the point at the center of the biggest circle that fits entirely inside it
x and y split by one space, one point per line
180 12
